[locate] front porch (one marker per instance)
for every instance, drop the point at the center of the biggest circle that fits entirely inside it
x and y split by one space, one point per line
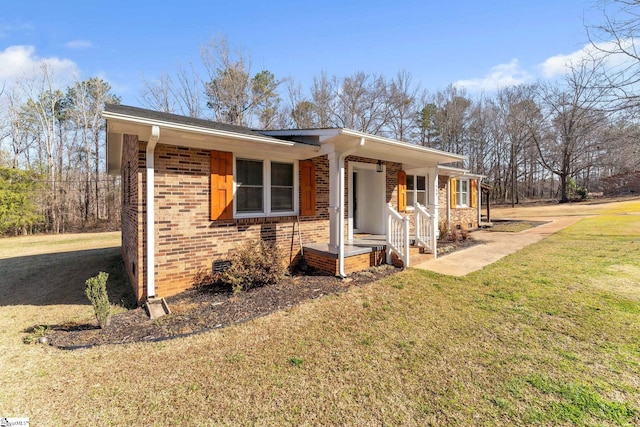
360 253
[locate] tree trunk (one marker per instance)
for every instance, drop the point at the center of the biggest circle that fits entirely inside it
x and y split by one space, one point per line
563 189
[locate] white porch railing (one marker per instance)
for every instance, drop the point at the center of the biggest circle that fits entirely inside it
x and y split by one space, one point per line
424 227
397 236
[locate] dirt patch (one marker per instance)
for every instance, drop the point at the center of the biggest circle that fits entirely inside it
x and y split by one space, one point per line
208 308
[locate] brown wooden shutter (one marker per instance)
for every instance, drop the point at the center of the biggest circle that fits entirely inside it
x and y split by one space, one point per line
474 193
402 191
221 185
452 193
307 188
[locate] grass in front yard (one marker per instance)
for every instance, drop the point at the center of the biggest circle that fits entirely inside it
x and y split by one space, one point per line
513 226
547 336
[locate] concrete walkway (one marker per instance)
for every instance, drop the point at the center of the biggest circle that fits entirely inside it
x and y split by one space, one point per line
496 245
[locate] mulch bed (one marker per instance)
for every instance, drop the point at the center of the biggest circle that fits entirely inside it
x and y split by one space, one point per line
200 310
204 309
449 246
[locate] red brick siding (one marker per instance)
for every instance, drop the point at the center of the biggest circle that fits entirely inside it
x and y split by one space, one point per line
188 241
133 211
461 217
352 264
466 218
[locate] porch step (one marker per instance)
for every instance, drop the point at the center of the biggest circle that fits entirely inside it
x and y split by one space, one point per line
418 255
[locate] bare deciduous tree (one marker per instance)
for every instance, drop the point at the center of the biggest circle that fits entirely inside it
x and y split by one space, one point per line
181 93
616 37
452 119
157 94
574 115
401 105
323 95
234 96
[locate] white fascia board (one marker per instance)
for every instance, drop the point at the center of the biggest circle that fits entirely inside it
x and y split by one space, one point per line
459 173
474 176
392 143
330 135
192 129
451 171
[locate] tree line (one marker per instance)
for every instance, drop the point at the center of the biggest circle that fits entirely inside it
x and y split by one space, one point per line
542 140
52 152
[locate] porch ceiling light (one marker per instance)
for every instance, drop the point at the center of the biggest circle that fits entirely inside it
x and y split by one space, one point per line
379 166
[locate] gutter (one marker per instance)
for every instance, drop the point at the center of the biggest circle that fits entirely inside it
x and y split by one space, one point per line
446 157
151 233
341 209
181 127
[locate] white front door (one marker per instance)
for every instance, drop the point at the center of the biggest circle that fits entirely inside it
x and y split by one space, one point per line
366 189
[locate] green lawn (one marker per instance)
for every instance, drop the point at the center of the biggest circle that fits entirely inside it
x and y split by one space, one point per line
547 336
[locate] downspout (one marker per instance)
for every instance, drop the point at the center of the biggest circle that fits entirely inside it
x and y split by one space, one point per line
449 204
479 200
341 209
151 233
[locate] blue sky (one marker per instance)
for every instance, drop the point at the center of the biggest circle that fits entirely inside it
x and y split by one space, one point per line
476 44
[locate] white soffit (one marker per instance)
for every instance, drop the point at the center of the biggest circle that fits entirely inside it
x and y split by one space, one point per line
199 138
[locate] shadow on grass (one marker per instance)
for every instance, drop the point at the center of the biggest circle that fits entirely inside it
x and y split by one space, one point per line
53 279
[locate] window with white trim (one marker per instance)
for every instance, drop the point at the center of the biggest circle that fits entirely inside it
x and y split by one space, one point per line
264 187
462 193
249 186
281 187
416 190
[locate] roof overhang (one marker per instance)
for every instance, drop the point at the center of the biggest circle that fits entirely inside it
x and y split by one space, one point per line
194 136
374 147
282 144
457 172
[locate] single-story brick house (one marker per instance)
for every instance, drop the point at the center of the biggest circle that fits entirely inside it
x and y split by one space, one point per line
193 190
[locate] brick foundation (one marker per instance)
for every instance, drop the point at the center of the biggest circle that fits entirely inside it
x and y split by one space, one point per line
328 263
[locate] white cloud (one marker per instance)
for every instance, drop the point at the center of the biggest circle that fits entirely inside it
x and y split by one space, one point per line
511 74
78 44
558 65
501 75
21 62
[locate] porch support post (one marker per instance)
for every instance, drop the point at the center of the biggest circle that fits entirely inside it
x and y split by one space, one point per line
334 200
433 208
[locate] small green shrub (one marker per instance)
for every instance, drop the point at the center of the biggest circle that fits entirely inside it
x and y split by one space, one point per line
96 291
296 361
257 263
583 193
35 333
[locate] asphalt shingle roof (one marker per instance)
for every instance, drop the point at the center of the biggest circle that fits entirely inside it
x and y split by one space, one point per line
178 119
